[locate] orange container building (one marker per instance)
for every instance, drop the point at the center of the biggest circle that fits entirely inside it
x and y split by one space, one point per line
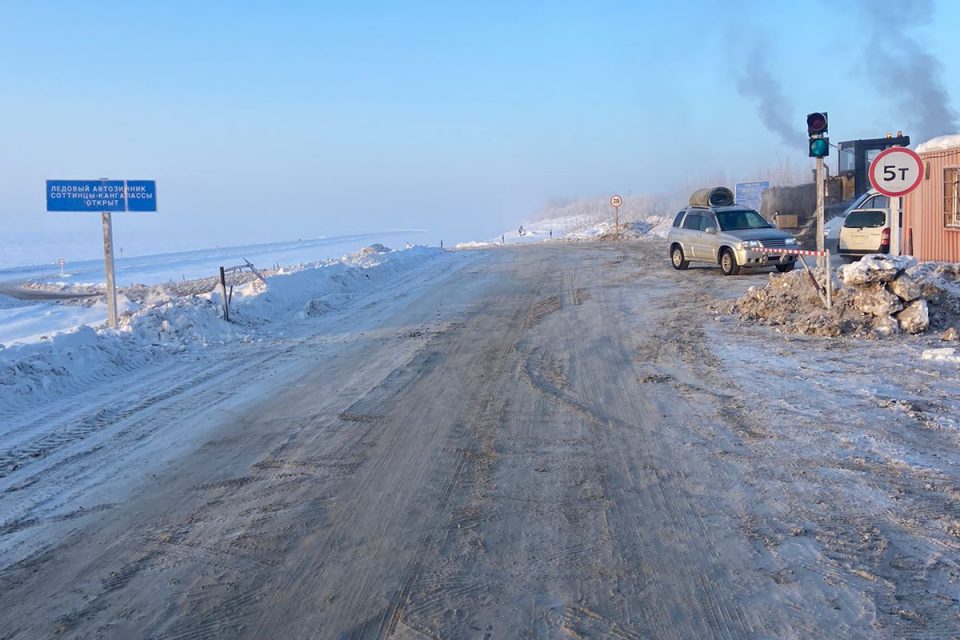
931 213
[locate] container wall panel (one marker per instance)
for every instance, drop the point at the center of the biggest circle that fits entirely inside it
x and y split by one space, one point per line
923 211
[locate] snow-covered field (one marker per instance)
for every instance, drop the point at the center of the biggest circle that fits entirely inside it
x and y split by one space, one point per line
54 358
28 321
199 263
23 322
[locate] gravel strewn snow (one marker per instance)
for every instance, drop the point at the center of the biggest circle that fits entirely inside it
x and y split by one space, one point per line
878 296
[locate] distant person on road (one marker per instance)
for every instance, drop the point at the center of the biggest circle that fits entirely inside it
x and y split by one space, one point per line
520 233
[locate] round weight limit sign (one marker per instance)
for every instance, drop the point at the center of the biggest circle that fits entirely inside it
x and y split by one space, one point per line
615 202
896 171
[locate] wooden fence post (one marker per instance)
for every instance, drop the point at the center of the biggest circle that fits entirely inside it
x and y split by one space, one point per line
223 290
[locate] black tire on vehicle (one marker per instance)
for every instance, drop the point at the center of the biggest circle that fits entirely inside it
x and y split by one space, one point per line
728 263
677 258
784 268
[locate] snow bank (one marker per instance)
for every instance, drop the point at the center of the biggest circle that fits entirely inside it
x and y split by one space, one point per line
68 361
942 143
474 244
875 268
586 220
168 324
879 296
302 290
656 226
24 322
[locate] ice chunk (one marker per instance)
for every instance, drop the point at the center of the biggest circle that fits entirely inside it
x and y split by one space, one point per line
946 354
877 301
915 318
875 267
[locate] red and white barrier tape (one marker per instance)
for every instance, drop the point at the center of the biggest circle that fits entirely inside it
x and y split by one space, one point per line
792 252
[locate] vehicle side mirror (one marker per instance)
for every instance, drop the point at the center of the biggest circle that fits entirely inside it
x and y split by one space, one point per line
711 230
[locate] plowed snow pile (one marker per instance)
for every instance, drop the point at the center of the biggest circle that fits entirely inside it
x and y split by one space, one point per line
164 321
878 296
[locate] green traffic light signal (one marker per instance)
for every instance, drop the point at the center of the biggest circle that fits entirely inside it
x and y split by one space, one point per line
819 147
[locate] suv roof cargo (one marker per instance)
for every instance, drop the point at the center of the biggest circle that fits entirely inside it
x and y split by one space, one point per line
715 197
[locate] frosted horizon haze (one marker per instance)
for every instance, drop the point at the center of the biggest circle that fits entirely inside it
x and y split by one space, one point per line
264 125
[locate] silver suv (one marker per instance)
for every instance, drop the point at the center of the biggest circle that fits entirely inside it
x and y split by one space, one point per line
726 235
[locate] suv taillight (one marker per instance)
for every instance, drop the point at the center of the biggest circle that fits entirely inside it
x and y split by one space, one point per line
885 236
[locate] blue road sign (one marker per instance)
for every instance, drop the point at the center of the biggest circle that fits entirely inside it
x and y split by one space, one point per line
141 195
101 195
86 195
748 193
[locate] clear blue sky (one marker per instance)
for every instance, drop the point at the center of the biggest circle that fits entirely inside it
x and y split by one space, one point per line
273 121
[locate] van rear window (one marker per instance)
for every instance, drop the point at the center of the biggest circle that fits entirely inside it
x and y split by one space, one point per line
870 219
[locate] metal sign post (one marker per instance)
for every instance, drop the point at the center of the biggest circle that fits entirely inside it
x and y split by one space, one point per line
103 196
615 202
895 172
821 259
896 211
108 265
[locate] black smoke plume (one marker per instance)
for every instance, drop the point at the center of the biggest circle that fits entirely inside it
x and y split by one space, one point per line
903 70
756 80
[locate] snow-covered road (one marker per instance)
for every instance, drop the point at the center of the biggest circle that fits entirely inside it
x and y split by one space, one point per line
552 441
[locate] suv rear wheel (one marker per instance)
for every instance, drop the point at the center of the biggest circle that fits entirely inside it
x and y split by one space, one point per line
728 263
677 258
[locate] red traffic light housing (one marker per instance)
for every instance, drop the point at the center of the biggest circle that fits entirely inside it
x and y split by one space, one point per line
817 124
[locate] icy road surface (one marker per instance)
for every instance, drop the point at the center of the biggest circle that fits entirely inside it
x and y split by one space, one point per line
548 441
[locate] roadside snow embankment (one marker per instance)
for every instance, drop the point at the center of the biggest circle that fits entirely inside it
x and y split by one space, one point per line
655 226
878 296
168 324
586 220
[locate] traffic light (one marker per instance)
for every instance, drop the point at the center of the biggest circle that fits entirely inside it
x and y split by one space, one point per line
817 130
819 147
817 124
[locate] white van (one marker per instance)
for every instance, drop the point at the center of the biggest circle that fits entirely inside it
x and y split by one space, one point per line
866 229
